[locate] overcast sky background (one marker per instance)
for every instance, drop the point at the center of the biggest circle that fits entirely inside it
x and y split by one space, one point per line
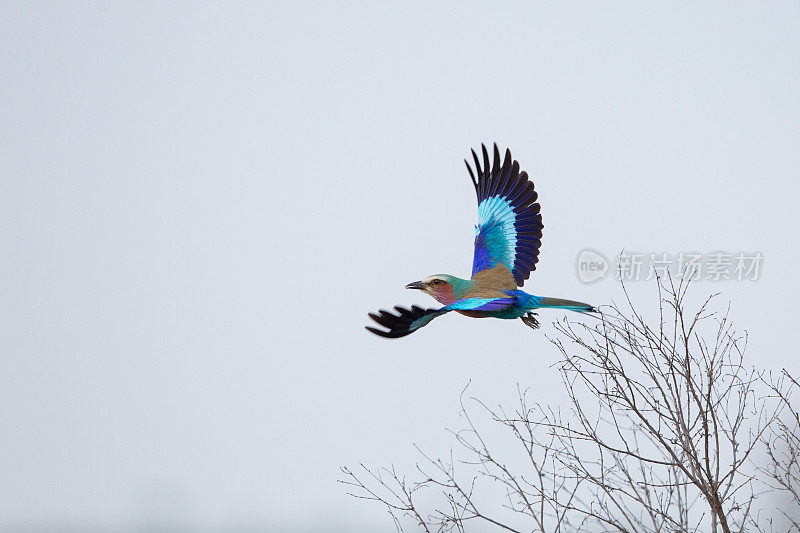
199 203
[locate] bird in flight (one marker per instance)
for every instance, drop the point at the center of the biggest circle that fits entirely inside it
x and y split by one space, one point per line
507 240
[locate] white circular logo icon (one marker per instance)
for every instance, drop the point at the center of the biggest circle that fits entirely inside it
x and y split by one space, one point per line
591 266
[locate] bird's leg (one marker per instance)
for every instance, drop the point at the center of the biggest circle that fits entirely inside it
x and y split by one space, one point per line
530 320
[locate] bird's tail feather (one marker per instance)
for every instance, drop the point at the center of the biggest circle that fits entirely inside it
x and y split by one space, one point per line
571 305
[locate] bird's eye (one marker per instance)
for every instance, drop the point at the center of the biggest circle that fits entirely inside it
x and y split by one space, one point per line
437 281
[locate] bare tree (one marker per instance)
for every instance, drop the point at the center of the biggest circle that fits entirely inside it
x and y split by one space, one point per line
663 416
782 443
532 495
677 417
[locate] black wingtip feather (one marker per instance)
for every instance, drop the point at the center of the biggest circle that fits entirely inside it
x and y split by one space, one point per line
505 173
472 177
479 173
387 334
400 324
486 172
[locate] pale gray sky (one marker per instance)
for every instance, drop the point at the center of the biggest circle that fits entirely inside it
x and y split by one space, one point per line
200 202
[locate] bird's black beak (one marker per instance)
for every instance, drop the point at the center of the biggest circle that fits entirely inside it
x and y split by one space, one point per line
416 285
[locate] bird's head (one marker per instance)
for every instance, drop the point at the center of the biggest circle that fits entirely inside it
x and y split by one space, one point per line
444 288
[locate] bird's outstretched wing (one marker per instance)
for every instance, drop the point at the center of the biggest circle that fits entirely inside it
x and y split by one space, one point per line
407 321
509 229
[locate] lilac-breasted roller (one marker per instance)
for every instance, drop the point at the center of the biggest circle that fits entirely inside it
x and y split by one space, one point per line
507 240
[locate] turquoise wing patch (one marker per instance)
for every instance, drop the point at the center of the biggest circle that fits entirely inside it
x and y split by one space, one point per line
480 304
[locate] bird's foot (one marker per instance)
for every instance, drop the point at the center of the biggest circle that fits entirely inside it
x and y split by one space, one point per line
530 320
